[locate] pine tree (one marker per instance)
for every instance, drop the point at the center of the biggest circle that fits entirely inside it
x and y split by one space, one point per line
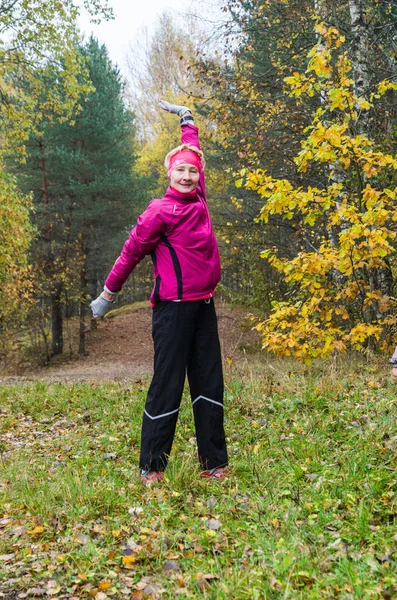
81 174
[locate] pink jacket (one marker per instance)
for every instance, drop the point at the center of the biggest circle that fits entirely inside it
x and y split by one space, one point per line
177 231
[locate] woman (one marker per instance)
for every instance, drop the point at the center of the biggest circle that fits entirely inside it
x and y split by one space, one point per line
177 232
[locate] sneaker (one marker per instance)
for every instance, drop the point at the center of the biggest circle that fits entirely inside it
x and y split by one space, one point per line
148 477
217 473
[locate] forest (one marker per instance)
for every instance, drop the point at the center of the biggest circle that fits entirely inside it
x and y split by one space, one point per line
296 102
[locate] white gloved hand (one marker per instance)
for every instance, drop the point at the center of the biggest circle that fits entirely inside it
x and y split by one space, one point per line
174 108
101 306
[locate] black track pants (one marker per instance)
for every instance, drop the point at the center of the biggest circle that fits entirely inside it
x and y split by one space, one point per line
185 336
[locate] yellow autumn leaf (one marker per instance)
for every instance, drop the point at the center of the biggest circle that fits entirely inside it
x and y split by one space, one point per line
128 561
105 585
363 103
37 530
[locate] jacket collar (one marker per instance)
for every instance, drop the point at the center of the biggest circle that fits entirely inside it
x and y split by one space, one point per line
173 194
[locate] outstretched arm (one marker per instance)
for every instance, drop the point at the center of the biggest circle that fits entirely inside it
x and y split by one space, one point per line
189 133
143 240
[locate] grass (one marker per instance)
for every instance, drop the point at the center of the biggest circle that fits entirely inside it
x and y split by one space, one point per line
309 512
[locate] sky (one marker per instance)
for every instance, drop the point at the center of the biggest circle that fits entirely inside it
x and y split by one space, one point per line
130 17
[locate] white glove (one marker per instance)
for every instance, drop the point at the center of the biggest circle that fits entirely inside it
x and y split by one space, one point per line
174 108
101 306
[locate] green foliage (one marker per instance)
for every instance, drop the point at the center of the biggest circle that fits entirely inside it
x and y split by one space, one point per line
83 187
341 295
16 233
40 41
38 46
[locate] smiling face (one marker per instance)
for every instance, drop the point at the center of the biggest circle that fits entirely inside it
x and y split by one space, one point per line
184 178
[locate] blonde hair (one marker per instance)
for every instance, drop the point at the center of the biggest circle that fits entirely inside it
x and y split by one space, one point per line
184 147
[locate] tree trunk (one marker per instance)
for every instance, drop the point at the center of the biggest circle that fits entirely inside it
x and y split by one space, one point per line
56 321
56 292
382 278
83 301
359 48
336 175
82 328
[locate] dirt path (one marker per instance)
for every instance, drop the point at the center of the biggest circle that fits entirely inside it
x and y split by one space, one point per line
121 347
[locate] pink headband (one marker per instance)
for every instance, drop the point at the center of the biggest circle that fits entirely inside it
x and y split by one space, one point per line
184 157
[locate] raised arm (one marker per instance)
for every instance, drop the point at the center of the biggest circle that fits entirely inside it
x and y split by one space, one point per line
189 134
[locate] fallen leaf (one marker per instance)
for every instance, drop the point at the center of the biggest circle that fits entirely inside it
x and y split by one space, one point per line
37 592
82 539
135 510
132 545
36 530
105 585
151 590
206 576
146 530
386 557
18 531
211 503
203 579
6 557
97 528
214 524
142 583
128 561
170 566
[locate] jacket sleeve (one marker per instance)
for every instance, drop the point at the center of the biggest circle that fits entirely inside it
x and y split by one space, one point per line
190 135
143 240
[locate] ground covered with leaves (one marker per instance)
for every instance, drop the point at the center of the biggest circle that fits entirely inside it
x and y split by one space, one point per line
308 512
